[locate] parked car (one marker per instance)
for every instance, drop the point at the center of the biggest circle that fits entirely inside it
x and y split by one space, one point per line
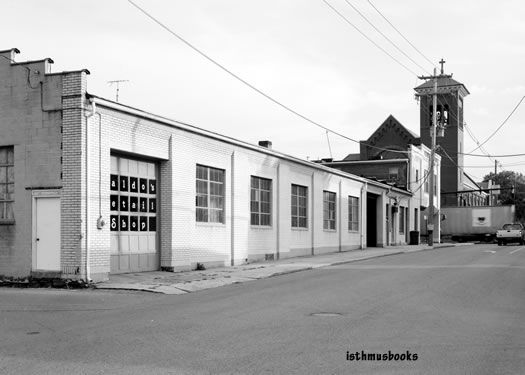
511 233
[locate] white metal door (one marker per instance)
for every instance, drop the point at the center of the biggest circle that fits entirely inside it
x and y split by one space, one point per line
47 234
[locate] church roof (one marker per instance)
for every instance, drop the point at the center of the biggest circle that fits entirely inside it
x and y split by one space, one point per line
389 122
445 83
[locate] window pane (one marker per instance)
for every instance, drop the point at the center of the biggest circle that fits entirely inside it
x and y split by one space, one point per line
265 219
215 216
303 222
254 219
216 202
202 172
3 155
10 156
202 187
3 191
266 184
9 210
3 175
265 208
265 196
201 201
202 215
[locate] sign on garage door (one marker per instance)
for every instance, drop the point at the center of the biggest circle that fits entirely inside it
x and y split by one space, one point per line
133 220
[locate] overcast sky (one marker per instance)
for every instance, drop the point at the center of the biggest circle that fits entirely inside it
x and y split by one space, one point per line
299 52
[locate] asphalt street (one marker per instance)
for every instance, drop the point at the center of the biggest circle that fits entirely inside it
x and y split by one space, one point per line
460 310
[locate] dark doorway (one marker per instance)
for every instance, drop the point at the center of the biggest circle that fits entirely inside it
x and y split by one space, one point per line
371 220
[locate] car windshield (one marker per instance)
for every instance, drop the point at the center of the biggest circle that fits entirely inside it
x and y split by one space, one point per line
512 226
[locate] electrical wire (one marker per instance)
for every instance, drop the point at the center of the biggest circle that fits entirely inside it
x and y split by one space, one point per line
399 32
367 37
469 132
503 123
246 83
456 164
494 156
386 37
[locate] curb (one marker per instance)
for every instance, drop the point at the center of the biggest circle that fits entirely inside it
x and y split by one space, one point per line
279 273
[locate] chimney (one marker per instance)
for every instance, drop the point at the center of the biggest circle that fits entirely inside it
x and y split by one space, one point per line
266 144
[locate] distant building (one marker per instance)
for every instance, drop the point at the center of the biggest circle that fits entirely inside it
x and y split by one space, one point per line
393 156
450 109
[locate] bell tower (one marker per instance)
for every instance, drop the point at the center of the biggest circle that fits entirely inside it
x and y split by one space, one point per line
450 96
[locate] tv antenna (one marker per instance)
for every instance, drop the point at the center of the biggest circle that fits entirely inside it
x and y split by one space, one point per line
117 82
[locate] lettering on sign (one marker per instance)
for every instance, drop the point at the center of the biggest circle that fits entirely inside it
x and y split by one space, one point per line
113 202
123 183
124 223
113 223
143 223
133 184
143 185
114 182
134 223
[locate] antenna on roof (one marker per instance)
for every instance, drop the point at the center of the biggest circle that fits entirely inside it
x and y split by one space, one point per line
117 82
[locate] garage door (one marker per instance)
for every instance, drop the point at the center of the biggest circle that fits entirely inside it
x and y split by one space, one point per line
133 221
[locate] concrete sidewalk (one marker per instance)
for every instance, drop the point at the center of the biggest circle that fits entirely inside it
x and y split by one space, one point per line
192 281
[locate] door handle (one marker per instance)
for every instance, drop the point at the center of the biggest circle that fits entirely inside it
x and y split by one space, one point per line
38 239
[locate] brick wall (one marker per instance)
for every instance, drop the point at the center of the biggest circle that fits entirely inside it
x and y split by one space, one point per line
30 120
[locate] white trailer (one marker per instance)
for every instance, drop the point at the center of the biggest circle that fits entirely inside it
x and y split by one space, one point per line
475 223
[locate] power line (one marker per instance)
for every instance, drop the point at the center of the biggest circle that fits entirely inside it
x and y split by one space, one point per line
503 123
456 164
384 36
494 156
246 83
367 37
476 140
399 32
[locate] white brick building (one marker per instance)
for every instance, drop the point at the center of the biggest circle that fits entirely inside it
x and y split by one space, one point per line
93 187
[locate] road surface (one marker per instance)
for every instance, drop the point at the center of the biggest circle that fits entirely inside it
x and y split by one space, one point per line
459 310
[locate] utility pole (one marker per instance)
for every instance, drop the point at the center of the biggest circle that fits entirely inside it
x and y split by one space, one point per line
433 126
117 82
495 169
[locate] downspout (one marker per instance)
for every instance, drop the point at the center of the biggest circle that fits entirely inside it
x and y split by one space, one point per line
364 189
232 217
312 203
340 216
88 115
277 218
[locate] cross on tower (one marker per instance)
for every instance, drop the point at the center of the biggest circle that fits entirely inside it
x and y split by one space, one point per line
442 62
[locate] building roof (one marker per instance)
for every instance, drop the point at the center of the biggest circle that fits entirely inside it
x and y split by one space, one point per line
191 128
445 83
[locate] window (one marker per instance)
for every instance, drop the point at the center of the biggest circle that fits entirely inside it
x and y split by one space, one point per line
402 219
209 199
329 210
353 213
7 183
261 201
299 206
393 173
417 175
